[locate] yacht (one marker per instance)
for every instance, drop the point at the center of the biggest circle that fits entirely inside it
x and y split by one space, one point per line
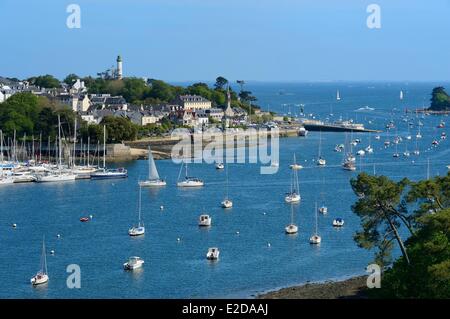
315 239
227 202
295 166
138 230
294 195
189 181
220 166
105 173
291 228
204 220
321 161
57 175
133 263
153 176
42 276
213 253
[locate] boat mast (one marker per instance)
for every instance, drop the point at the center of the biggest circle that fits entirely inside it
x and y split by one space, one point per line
74 142
316 219
1 146
104 146
139 207
59 143
44 265
40 147
226 174
149 162
89 142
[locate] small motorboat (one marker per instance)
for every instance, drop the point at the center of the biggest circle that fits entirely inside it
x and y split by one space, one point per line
338 222
435 143
377 137
220 166
204 220
361 153
84 219
213 253
321 162
323 209
133 263
295 167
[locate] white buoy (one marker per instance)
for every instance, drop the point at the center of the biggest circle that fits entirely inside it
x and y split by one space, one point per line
14 225
237 233
90 216
58 236
268 245
264 213
161 207
178 239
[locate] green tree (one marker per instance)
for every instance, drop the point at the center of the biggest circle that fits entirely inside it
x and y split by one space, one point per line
70 79
428 274
382 211
440 101
119 129
46 81
220 83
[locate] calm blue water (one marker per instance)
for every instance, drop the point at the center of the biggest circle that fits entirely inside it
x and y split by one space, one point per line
247 265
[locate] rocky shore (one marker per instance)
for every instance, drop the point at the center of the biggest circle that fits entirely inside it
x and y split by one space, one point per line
352 288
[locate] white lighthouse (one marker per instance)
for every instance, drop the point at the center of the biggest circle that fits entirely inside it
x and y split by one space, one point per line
119 68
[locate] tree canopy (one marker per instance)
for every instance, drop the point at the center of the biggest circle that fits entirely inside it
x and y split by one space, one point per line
440 100
46 81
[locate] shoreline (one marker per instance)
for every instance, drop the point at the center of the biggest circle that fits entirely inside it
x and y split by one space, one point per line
350 288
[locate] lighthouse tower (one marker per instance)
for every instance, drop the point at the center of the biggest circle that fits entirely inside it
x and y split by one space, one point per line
119 68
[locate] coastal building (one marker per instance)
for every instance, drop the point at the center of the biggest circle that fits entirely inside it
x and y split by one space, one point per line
114 72
106 101
77 102
192 102
78 87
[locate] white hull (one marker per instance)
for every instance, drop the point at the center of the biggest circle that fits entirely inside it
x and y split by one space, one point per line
136 231
6 181
321 162
152 183
212 254
291 229
190 183
39 279
227 203
56 178
133 263
315 240
323 210
292 198
296 167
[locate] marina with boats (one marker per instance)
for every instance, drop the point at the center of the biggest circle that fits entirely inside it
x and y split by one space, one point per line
100 224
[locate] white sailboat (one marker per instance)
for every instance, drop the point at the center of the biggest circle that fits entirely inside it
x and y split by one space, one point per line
294 195
320 160
189 181
227 202
315 238
349 160
105 173
153 176
338 96
213 253
291 228
401 95
139 229
417 151
42 276
133 263
59 175
295 166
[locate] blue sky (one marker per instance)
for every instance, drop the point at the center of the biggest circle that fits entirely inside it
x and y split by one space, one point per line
264 40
